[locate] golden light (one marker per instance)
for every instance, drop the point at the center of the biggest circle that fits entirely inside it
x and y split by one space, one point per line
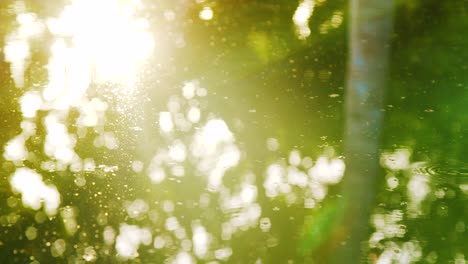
206 13
108 41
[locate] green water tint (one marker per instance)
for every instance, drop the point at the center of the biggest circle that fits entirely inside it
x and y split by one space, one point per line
265 83
455 170
321 227
325 228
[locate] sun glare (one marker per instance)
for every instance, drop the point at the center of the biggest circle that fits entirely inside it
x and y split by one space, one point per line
104 41
106 36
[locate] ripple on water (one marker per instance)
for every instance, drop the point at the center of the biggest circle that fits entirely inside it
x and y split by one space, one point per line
449 171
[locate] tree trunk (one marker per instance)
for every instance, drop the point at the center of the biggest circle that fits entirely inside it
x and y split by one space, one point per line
370 30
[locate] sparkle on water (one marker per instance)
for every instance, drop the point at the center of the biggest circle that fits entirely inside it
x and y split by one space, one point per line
34 192
206 13
104 41
301 18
